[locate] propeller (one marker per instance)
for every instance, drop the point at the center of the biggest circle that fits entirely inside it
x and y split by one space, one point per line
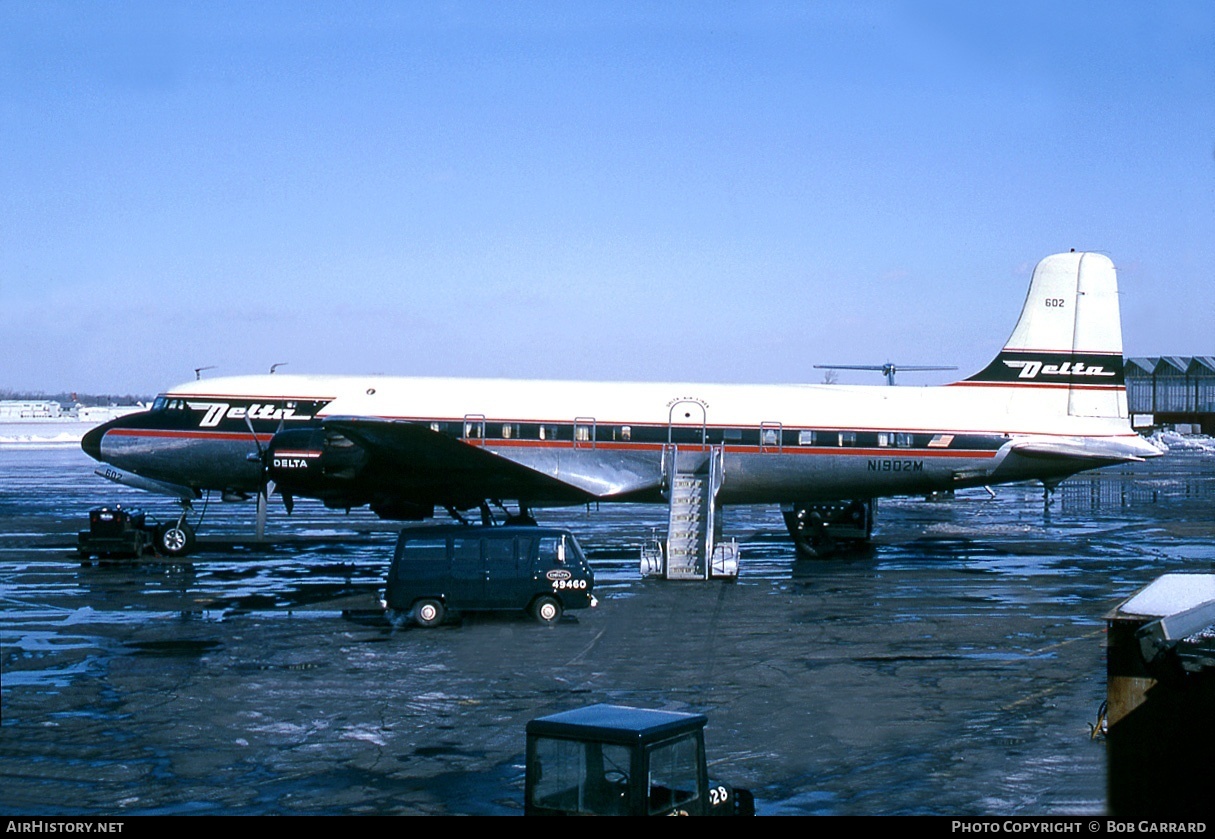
266 487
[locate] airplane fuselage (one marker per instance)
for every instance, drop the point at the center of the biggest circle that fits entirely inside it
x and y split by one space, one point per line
607 440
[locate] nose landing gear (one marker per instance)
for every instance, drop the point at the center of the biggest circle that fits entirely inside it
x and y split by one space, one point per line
176 538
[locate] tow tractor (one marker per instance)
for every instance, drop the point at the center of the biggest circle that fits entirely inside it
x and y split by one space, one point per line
613 760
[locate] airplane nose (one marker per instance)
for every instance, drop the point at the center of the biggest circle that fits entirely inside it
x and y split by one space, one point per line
91 443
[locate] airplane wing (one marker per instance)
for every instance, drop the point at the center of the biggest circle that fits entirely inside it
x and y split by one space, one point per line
413 452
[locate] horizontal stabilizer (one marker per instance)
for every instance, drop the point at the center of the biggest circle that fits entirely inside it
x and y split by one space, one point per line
1094 451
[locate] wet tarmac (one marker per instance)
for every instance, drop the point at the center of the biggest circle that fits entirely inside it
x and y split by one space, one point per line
955 669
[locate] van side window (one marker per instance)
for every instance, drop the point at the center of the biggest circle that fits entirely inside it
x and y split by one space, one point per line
500 553
527 546
426 549
552 549
466 558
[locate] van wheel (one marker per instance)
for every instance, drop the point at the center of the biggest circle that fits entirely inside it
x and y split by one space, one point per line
428 612
547 610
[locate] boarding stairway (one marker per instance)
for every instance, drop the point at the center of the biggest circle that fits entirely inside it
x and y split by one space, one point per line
694 549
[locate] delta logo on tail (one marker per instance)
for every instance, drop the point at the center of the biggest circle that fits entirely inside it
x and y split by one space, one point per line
1066 369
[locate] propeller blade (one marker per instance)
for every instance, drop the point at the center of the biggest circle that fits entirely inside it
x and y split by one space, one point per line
252 433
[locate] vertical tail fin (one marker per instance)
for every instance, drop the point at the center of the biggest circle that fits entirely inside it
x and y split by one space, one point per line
1068 339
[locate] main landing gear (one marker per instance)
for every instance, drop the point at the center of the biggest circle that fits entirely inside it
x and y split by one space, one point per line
523 517
831 528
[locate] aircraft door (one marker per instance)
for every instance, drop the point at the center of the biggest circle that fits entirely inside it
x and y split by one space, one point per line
686 424
770 437
474 429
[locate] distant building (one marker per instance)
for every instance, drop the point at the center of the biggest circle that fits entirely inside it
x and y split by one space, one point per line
12 410
1172 390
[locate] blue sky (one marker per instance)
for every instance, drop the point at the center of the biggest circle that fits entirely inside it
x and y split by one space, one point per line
649 190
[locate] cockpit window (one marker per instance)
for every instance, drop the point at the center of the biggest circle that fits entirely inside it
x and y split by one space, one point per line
159 403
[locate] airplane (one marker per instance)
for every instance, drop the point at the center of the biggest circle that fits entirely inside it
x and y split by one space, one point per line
1050 404
889 369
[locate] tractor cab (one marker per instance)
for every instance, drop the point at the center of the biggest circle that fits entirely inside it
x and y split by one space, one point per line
613 760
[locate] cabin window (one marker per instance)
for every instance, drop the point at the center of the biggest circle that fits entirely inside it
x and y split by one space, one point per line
582 433
581 776
548 432
509 431
847 438
626 433
883 439
732 435
434 426
472 430
805 438
674 770
769 437
903 440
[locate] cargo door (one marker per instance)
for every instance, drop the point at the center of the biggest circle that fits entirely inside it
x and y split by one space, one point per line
505 583
468 574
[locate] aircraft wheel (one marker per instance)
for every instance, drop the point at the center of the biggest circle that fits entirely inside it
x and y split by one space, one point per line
175 539
546 610
428 612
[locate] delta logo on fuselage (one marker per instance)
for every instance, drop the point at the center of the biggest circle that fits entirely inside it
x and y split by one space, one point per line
216 412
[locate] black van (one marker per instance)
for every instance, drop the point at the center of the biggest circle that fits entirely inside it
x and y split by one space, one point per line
460 568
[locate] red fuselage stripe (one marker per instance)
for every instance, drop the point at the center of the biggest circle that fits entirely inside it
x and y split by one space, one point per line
566 444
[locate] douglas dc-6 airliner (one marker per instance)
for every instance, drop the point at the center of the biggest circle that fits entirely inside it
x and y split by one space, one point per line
1051 404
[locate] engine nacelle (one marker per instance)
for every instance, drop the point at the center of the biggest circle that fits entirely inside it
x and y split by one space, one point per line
313 462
